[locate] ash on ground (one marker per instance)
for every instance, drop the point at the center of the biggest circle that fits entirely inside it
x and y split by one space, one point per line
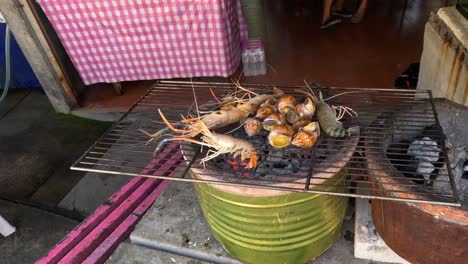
421 159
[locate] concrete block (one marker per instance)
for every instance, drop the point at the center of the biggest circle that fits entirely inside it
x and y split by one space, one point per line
91 191
367 242
175 224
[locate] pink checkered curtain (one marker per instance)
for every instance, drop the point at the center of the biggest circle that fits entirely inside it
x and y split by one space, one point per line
124 40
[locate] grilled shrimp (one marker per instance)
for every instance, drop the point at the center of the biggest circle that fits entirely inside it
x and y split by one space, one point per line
223 144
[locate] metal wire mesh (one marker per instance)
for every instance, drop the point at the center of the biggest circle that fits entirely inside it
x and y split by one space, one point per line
369 163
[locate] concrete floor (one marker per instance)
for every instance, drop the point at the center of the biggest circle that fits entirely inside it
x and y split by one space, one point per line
36 232
37 147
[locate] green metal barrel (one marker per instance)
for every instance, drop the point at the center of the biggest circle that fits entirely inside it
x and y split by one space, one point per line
291 227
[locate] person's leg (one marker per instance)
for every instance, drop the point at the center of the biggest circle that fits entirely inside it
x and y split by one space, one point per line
338 5
360 12
362 8
338 9
327 4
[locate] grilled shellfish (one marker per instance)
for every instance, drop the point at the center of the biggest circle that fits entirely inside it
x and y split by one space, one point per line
306 109
281 136
286 103
304 139
252 126
264 111
273 120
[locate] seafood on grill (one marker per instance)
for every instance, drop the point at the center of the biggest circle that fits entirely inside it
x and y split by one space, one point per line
280 136
232 112
252 126
286 103
222 144
288 122
306 109
327 116
273 120
307 136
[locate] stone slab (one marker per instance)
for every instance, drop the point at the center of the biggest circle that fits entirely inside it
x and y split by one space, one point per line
91 191
367 242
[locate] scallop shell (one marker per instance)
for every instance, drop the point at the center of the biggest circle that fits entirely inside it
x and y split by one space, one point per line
301 122
284 129
305 109
264 111
273 120
292 117
304 139
281 136
286 103
252 126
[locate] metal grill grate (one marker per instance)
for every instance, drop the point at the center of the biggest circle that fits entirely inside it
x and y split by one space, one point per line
356 166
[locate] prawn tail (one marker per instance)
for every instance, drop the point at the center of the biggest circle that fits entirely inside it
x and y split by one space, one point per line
337 132
253 159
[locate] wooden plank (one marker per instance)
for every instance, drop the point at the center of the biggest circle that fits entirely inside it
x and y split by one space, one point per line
32 42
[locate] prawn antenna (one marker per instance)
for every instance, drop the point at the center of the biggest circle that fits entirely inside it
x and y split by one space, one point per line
195 98
310 89
169 123
237 84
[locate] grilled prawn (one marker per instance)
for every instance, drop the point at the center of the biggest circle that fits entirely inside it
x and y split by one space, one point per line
222 144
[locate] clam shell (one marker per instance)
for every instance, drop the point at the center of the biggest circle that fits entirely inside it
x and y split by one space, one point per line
301 122
311 127
292 117
304 139
252 126
286 103
273 120
278 140
306 109
284 129
264 111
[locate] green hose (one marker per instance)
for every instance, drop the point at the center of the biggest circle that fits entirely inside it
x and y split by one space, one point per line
6 86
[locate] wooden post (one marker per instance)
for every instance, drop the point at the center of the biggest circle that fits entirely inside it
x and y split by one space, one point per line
33 43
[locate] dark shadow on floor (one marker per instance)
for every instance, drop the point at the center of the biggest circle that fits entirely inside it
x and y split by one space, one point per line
37 148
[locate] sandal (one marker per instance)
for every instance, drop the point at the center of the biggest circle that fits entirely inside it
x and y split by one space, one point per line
356 18
330 22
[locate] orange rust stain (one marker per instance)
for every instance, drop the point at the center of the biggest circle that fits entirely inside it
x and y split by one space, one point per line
458 73
443 51
448 88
